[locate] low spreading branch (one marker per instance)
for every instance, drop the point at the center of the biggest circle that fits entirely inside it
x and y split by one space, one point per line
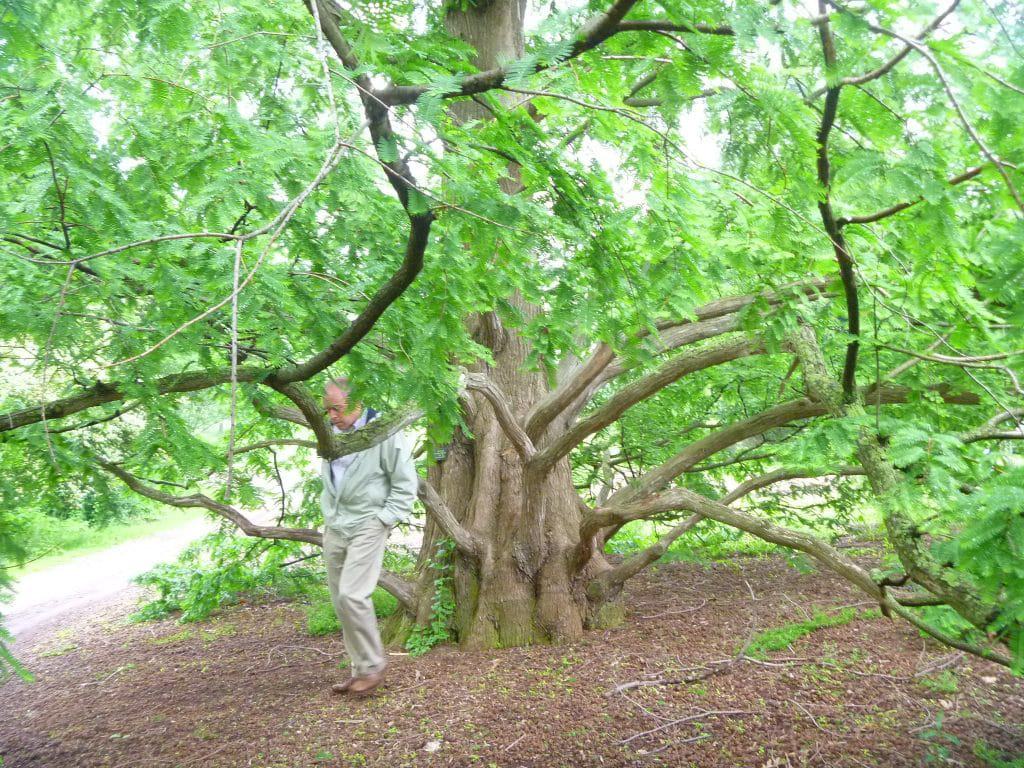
670 371
603 586
247 527
465 540
916 555
402 590
777 416
676 499
781 475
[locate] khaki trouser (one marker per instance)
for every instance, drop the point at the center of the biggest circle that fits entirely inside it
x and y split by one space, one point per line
353 566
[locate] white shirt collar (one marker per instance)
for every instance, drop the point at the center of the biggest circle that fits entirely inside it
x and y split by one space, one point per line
359 423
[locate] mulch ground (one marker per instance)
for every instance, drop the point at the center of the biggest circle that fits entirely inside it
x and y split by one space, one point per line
249 688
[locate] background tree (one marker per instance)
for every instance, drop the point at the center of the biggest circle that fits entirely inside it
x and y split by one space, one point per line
722 246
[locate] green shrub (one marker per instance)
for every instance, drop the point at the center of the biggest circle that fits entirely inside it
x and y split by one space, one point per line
320 619
425 636
220 569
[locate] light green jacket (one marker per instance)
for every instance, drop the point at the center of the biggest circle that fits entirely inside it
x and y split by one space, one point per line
381 481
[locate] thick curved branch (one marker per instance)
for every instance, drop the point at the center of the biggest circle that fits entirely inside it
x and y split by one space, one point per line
282 412
580 385
109 392
247 527
990 430
465 540
104 392
576 382
777 416
670 371
311 411
607 583
381 131
669 338
677 499
412 263
779 475
403 591
377 431
481 383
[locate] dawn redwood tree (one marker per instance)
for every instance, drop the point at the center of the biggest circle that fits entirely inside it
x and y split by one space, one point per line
622 260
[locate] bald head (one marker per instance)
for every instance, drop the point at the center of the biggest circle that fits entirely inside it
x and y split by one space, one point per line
340 412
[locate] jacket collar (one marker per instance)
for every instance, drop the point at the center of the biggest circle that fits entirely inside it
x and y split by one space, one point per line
325 465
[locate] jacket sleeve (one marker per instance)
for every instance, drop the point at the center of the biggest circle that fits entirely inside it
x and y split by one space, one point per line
401 470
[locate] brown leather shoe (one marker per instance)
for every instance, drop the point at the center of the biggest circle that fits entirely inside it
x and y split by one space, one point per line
343 687
363 685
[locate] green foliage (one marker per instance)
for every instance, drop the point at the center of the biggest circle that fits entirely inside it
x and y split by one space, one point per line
710 542
442 606
13 532
940 742
945 682
222 569
990 550
120 123
996 758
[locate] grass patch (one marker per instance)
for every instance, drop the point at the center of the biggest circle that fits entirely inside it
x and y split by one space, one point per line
177 637
944 682
59 650
780 638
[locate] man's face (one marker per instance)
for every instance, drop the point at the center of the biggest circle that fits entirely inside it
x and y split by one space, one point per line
337 407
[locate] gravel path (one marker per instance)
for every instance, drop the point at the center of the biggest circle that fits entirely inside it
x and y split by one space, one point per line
49 597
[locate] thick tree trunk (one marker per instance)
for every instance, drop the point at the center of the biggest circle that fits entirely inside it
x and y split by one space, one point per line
523 588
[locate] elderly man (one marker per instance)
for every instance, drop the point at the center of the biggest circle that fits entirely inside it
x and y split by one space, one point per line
365 495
